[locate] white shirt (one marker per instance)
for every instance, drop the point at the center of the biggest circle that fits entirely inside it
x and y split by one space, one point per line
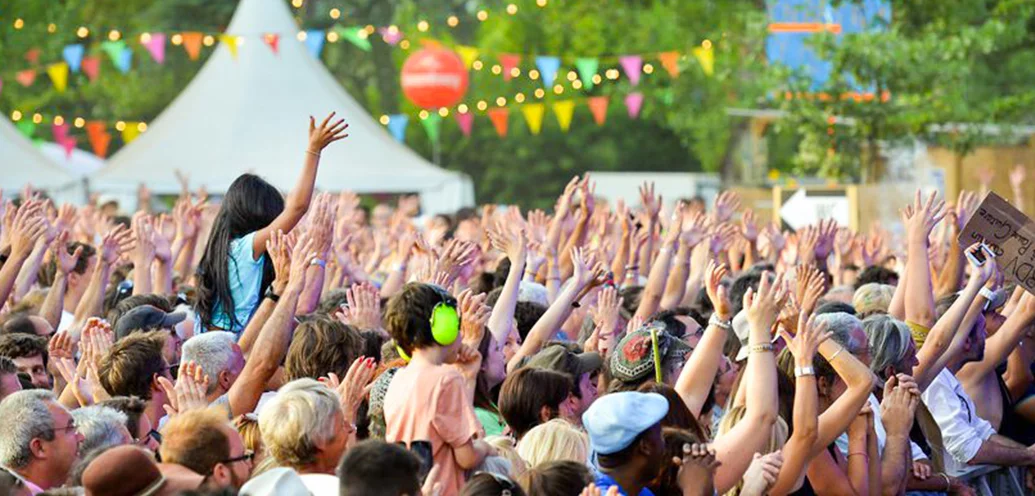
963 431
321 484
882 435
67 319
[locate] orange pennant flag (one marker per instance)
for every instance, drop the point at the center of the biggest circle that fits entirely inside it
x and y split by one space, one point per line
598 105
99 138
499 117
670 61
192 44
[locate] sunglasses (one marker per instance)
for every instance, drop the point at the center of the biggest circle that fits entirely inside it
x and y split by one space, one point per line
152 434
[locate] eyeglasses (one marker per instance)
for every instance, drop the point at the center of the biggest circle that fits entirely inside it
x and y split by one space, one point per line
248 456
152 434
70 427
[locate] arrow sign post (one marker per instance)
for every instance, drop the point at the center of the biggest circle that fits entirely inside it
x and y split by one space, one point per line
802 210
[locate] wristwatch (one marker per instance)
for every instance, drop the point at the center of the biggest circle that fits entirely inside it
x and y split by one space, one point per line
271 295
804 371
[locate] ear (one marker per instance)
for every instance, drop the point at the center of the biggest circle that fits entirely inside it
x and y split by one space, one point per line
73 278
545 414
224 379
37 449
823 385
889 371
221 473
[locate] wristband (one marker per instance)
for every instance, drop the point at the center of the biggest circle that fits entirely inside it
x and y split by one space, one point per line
804 371
761 348
316 154
271 295
836 353
632 267
316 261
721 324
948 483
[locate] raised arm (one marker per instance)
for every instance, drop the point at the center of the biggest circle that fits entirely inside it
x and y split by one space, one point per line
302 195
29 225
695 381
692 234
275 336
999 345
736 447
64 262
279 248
114 243
655 287
919 219
897 414
839 415
511 241
143 253
30 270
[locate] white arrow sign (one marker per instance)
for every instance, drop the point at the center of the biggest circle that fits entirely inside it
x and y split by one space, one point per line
801 210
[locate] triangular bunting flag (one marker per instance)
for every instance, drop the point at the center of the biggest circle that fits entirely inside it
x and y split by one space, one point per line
73 56
509 61
231 44
356 36
431 125
670 61
60 132
468 54
192 44
130 132
91 67
598 106
273 41
466 121
633 67
125 61
499 118
99 138
548 67
314 39
563 110
26 77
114 50
397 126
33 56
1 85
27 128
390 36
68 144
156 47
633 102
533 116
587 68
58 75
705 57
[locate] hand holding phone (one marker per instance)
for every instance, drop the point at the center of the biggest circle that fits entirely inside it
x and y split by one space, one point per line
978 255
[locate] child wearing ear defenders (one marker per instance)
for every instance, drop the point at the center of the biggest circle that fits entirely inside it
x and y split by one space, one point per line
428 399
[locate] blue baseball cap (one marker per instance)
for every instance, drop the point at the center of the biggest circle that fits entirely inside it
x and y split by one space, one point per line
614 420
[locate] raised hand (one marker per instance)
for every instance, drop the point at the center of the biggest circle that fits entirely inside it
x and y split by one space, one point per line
694 229
563 206
651 204
966 204
717 292
811 284
921 217
872 248
697 467
726 204
762 474
585 267
320 137
898 407
302 256
189 391
826 233
1017 176
363 310
509 239
65 261
748 226
722 236
805 343
356 385
474 315
985 175
29 225
115 242
279 248
763 306
605 316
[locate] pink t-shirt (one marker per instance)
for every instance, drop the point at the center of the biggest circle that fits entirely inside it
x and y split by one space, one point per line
430 403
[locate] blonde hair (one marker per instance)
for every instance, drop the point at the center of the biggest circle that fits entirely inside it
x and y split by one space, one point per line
196 440
506 449
302 416
247 426
556 440
777 438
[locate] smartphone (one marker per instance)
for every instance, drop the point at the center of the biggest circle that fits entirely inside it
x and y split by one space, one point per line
423 451
979 255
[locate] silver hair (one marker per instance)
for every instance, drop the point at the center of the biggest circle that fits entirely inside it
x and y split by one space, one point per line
26 417
101 427
889 340
301 417
213 351
842 325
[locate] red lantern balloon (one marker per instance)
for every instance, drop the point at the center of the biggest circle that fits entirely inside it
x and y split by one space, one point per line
434 77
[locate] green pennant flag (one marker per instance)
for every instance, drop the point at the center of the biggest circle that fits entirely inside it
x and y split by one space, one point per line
667 97
353 35
431 125
38 142
27 128
587 69
114 50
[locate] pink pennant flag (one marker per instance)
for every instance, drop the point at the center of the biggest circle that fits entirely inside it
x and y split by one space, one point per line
91 66
26 77
68 144
60 132
633 66
509 61
273 41
465 121
156 46
633 102
391 36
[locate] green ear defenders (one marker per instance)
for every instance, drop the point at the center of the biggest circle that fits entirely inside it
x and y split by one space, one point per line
445 322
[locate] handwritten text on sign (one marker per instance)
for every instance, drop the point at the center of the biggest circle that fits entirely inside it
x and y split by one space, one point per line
1009 233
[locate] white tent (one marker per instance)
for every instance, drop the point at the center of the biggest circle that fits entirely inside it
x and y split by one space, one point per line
79 163
21 163
252 115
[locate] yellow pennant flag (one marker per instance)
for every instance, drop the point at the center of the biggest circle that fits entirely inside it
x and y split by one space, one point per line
533 116
231 43
468 53
706 57
130 132
563 110
59 75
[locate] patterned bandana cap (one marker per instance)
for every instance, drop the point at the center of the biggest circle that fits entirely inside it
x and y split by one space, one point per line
377 393
633 359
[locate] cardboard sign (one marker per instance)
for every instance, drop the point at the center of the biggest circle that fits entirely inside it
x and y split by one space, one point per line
1009 233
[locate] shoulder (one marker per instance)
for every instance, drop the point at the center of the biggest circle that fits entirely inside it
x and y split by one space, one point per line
241 249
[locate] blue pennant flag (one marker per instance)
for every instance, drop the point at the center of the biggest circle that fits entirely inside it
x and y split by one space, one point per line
548 67
314 41
397 126
73 55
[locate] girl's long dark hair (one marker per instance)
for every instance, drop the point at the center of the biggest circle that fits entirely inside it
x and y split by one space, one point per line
250 204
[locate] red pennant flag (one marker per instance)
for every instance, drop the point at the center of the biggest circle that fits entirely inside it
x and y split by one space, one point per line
273 40
91 66
509 61
192 44
26 77
33 56
598 105
499 117
68 144
670 61
99 138
465 121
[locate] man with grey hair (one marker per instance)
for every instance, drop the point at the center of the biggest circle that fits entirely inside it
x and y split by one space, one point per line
221 360
304 428
101 427
40 442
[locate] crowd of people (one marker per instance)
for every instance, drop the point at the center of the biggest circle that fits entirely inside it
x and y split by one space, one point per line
272 345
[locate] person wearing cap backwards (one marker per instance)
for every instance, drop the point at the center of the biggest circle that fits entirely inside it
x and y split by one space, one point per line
625 436
632 362
582 367
150 318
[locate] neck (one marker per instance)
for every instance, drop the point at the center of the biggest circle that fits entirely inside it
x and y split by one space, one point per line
628 478
38 474
434 355
154 412
318 467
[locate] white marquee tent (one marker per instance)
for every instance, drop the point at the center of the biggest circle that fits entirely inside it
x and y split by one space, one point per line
22 163
252 115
